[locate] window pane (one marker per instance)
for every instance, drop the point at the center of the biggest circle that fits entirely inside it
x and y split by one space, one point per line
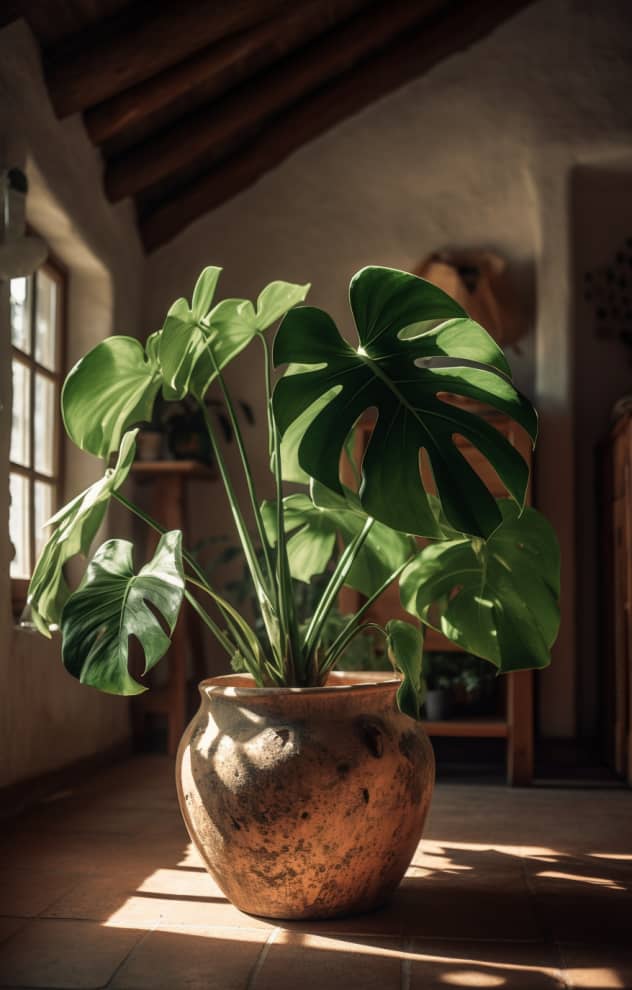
21 415
44 435
19 526
43 511
45 320
21 313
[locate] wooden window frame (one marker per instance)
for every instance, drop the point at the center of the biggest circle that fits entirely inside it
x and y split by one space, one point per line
56 271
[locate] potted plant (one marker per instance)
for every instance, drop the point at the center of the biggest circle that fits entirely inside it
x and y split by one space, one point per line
306 790
438 681
177 429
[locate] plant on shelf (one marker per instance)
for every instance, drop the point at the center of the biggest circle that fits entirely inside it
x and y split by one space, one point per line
182 426
458 684
489 578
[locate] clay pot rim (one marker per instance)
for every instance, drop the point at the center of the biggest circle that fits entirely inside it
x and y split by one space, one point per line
349 683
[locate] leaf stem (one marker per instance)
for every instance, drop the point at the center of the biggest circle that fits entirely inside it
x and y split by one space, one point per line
293 653
334 585
263 598
201 583
208 621
254 501
348 632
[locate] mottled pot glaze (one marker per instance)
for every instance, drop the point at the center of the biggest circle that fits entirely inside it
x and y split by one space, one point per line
305 802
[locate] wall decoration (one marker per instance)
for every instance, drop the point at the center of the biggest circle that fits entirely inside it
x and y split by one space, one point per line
608 290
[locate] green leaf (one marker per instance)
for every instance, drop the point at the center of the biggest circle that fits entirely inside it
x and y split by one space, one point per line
317 522
405 647
276 299
204 291
499 599
111 604
73 530
110 389
415 343
227 329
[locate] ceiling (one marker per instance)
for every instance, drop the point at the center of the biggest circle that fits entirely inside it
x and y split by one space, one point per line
190 102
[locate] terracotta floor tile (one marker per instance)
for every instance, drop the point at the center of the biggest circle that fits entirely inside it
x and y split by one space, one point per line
119 899
198 959
312 962
26 893
597 967
514 965
581 875
431 911
77 955
499 872
604 918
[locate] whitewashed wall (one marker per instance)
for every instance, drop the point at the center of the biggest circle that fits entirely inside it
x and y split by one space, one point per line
47 719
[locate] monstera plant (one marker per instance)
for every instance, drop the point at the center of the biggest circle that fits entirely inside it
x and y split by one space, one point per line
486 574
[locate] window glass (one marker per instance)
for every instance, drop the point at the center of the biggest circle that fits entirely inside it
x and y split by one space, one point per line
44 432
19 526
20 300
46 321
36 308
21 415
44 507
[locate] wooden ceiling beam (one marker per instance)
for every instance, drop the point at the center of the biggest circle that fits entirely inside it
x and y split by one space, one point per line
402 61
263 96
217 67
147 43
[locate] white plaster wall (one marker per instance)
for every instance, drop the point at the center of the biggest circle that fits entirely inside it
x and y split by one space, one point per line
477 152
47 719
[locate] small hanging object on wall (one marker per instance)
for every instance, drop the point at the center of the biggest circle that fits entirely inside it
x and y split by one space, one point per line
20 253
608 290
478 281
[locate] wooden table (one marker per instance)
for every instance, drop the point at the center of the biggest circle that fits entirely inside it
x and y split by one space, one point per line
168 482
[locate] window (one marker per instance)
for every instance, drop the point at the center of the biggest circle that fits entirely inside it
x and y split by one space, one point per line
37 306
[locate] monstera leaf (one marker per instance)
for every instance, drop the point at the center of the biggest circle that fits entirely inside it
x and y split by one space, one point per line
227 328
415 343
111 604
73 530
405 644
181 341
110 389
497 599
316 523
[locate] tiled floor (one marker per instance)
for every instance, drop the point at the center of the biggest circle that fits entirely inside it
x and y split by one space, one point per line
510 888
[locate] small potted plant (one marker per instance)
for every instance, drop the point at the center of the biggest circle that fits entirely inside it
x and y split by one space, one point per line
438 681
306 790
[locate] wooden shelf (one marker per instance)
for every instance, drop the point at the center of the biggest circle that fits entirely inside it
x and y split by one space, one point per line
483 728
189 469
516 725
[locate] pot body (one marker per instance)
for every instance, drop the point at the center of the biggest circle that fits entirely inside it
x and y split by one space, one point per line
308 802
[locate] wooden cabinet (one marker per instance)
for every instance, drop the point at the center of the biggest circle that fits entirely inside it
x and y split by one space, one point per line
515 719
618 597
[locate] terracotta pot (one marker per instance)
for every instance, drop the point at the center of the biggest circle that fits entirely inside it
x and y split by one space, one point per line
305 802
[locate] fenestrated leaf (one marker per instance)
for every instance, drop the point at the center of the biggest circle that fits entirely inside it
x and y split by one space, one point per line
316 523
408 330
110 389
499 599
73 529
111 604
405 646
